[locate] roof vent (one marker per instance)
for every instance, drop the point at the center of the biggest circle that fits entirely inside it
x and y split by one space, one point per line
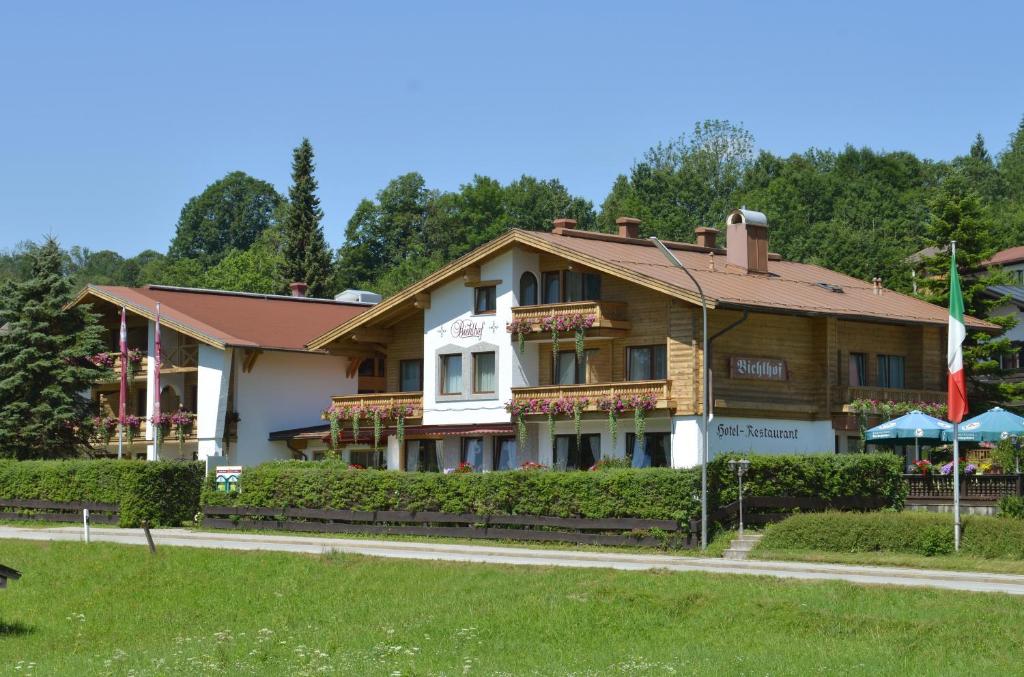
361 296
834 288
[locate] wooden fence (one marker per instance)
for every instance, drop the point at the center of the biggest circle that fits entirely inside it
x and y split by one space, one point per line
761 510
609 531
974 487
53 511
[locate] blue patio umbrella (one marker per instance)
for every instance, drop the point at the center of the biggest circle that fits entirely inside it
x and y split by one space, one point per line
915 426
994 425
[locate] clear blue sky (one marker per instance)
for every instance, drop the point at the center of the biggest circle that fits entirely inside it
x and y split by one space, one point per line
112 116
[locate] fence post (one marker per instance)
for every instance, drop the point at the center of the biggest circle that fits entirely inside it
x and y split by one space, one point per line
85 523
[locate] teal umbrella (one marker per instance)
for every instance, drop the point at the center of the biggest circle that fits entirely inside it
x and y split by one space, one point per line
913 426
994 425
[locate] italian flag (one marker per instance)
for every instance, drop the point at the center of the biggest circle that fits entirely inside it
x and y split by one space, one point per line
957 389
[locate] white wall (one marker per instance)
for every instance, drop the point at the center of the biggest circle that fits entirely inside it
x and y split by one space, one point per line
454 302
754 435
212 399
284 390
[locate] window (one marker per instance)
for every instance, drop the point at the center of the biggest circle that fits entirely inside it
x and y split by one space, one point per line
570 286
645 363
528 289
570 370
484 300
451 374
410 376
368 458
472 452
483 372
504 453
858 369
655 452
568 456
1011 361
552 287
890 371
372 367
422 456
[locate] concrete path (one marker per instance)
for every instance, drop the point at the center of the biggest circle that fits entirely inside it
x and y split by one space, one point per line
868 575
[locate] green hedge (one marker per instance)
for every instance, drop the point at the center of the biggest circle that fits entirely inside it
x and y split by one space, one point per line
823 475
654 493
657 493
918 533
165 493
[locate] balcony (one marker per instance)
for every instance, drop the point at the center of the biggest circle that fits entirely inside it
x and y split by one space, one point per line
609 318
852 393
598 391
382 400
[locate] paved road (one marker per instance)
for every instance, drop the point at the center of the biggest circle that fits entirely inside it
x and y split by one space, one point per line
951 580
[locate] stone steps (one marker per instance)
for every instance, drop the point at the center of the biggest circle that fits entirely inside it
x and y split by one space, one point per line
741 546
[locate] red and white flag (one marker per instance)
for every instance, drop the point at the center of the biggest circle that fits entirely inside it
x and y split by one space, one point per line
956 395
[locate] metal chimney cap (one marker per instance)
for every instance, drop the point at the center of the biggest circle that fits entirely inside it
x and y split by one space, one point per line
748 217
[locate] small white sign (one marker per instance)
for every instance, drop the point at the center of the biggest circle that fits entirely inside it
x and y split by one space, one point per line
227 477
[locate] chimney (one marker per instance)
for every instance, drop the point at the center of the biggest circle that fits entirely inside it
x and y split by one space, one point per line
746 240
298 289
563 224
628 227
706 237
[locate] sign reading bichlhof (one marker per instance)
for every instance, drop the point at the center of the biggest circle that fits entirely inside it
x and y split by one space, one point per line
227 477
758 368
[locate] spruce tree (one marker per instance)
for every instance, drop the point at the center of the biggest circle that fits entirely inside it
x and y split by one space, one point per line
306 255
44 362
957 215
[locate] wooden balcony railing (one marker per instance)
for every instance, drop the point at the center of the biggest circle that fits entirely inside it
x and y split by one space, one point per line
607 314
852 393
982 487
597 391
414 400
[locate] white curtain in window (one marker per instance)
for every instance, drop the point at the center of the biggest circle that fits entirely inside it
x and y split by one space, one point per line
506 455
641 457
485 372
561 453
566 368
453 374
475 453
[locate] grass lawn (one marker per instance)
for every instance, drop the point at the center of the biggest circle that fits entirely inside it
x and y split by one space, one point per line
896 559
112 609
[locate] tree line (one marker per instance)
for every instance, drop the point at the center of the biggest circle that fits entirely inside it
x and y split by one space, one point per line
859 211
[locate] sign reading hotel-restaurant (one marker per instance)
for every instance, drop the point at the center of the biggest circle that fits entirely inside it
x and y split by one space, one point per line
758 368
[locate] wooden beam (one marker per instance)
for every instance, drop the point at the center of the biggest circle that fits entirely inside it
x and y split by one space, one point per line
372 335
422 300
353 366
249 360
471 274
483 283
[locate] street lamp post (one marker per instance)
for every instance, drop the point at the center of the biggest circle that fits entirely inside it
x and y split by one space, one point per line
706 400
740 468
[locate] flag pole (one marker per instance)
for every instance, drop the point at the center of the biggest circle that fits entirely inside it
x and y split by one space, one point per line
956 487
957 390
123 395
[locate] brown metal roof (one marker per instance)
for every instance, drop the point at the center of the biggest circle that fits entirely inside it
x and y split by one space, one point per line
1006 256
230 318
788 286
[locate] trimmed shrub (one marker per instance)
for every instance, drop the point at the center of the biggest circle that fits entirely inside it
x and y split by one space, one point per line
650 493
165 493
918 533
821 475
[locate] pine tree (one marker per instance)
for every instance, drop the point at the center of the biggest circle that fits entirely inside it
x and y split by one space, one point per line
306 255
1011 164
956 215
44 365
